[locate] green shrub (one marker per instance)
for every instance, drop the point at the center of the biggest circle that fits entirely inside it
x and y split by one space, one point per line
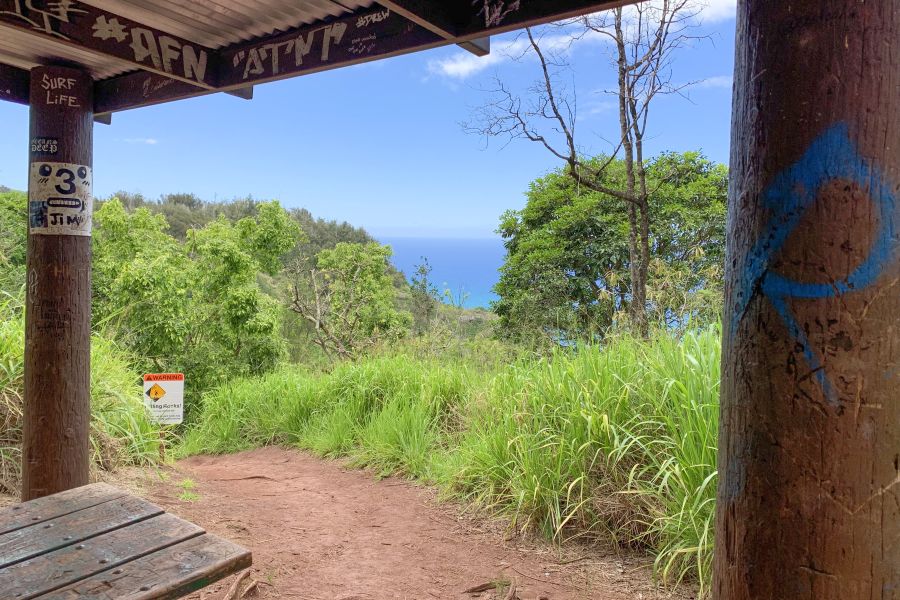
121 432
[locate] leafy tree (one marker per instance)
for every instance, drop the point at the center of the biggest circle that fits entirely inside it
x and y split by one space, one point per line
195 307
349 299
424 297
644 39
13 235
567 271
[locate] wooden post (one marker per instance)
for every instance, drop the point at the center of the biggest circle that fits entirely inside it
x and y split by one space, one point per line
809 461
58 308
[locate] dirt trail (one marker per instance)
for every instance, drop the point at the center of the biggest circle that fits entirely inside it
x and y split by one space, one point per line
319 531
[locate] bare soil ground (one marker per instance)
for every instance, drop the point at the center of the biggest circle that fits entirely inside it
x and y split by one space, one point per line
321 531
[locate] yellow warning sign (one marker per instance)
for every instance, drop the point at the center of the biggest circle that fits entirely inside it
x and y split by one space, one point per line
156 392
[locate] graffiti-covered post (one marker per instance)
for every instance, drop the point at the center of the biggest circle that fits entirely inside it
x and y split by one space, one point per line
58 304
809 462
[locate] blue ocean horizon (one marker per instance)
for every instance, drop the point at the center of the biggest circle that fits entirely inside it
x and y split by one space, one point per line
468 267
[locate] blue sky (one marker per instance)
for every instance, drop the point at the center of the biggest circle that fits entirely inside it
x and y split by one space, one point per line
381 145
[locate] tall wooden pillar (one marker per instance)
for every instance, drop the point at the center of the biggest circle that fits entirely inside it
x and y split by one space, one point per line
58 309
809 461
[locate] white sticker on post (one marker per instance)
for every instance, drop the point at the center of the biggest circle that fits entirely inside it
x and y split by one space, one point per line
60 201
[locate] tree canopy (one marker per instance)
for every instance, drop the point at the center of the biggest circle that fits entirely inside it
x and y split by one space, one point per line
567 270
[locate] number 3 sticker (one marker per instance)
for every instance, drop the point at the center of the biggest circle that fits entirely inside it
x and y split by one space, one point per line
60 201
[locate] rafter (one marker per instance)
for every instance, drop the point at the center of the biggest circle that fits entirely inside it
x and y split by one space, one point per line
89 28
356 38
378 32
438 19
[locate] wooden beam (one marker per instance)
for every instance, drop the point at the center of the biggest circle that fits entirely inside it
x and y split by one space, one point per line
368 35
353 39
477 46
433 16
498 16
438 18
89 28
57 419
14 84
808 496
242 93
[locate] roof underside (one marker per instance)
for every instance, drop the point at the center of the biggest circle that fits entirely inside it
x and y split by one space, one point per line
143 52
211 23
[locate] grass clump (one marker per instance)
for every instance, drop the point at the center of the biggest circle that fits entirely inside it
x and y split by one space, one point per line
615 441
121 431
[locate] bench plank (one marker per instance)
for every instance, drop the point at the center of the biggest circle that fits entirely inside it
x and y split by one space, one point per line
73 528
57 505
164 575
48 572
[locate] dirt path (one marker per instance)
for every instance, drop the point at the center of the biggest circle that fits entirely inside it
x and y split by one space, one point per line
319 531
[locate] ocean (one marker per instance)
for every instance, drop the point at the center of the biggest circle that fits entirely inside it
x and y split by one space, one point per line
468 267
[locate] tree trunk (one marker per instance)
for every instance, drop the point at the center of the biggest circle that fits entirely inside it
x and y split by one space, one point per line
809 460
638 304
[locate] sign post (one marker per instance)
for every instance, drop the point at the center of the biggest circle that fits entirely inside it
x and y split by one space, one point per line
164 398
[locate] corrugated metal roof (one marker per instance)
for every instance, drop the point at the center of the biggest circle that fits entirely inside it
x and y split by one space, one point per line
212 23
218 23
24 50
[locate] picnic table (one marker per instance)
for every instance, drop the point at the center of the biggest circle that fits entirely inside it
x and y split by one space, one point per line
100 542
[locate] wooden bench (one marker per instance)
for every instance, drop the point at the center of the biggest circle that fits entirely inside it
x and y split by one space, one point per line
100 542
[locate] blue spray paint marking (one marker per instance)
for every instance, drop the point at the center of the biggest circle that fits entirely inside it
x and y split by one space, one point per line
831 156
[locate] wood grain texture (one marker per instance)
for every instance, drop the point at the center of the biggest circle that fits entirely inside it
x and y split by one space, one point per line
170 573
809 459
52 507
73 528
55 452
51 571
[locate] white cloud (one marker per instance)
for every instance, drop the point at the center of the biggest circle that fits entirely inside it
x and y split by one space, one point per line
461 64
716 82
140 140
717 10
599 108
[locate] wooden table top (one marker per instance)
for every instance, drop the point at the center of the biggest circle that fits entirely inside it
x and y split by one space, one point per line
100 542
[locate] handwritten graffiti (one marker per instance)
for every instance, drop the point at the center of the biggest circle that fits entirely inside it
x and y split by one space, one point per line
59 90
372 18
45 19
162 51
495 11
265 59
832 156
153 84
362 45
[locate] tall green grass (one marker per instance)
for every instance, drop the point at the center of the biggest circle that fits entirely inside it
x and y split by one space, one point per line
121 432
616 441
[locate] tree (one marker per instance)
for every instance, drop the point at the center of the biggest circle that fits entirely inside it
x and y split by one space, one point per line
424 297
197 306
349 298
645 38
567 272
13 225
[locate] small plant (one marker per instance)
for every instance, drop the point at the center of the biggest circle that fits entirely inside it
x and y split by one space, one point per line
187 496
187 486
